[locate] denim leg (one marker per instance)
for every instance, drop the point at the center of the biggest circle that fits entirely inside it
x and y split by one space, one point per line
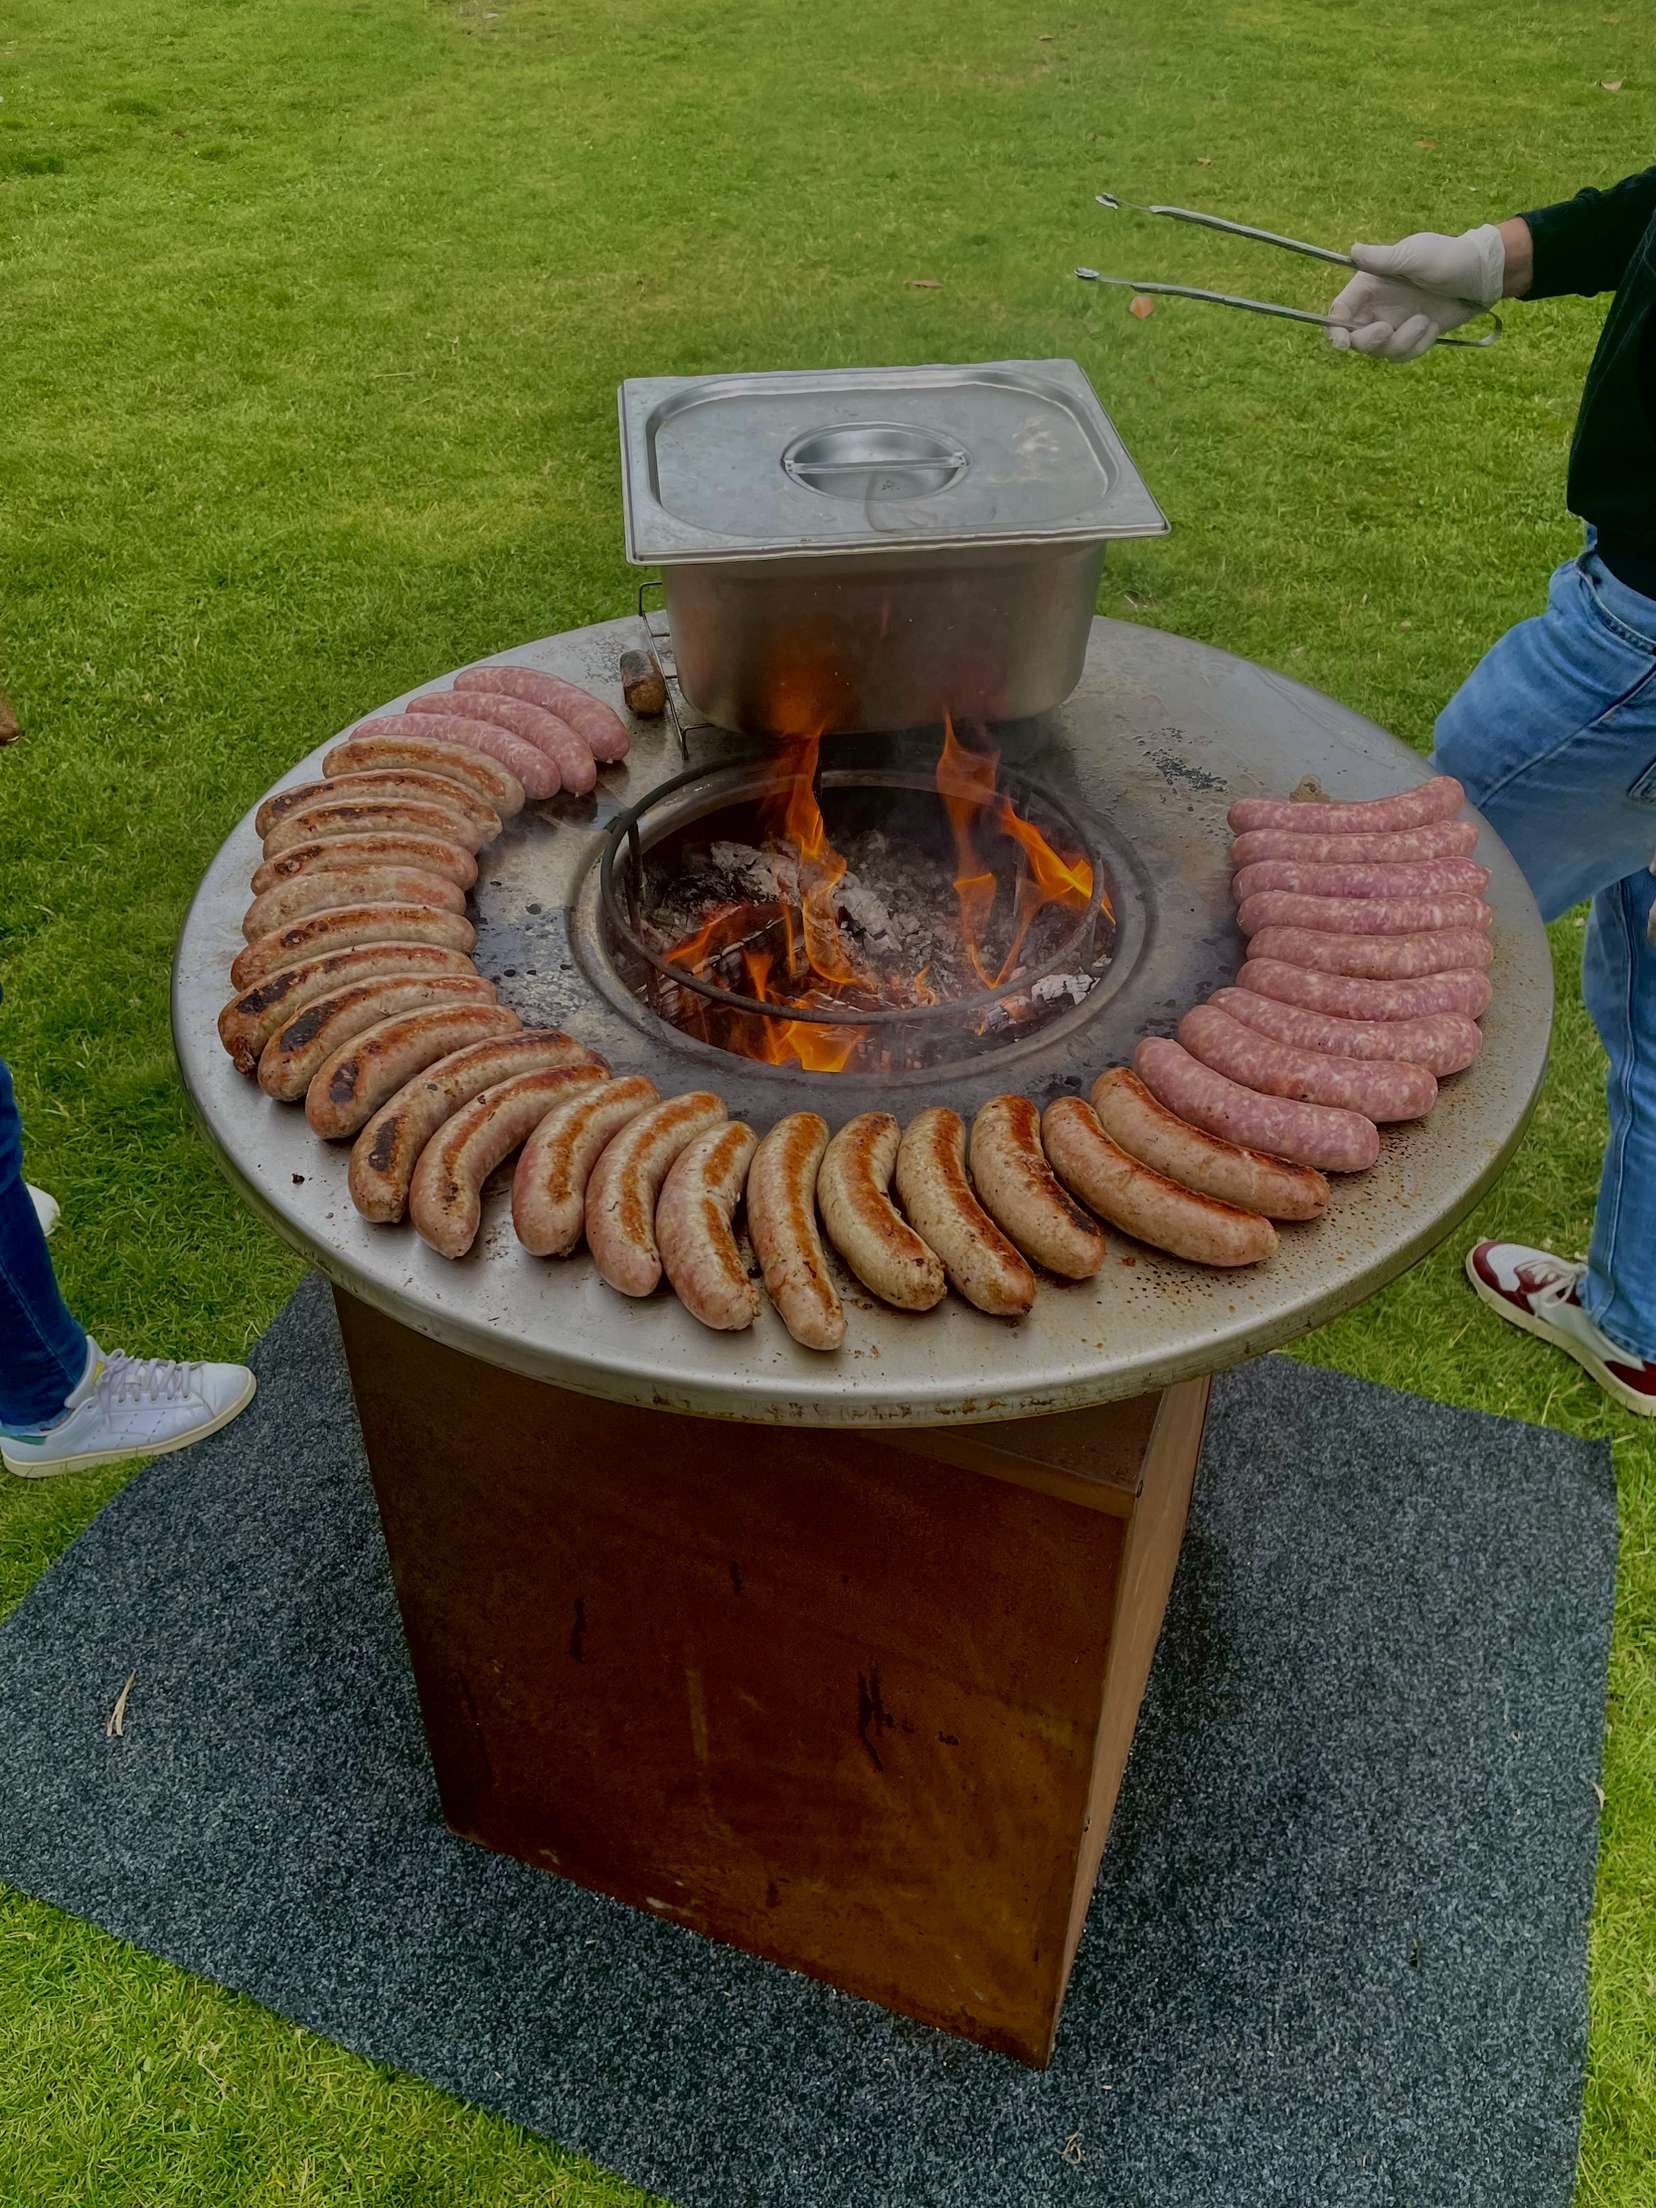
1618 979
1554 736
42 1350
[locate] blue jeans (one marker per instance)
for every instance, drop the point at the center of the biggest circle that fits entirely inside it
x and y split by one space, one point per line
1554 736
42 1350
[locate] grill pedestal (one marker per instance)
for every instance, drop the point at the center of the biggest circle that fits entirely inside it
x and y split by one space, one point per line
859 1705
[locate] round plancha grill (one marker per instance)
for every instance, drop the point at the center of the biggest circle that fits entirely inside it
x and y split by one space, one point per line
1140 765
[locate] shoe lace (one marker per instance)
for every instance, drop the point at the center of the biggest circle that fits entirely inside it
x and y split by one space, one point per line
140 1379
1552 1281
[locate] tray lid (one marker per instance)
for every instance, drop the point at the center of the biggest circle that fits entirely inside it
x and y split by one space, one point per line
873 459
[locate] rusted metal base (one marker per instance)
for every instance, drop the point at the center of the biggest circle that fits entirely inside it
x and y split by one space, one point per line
858 1705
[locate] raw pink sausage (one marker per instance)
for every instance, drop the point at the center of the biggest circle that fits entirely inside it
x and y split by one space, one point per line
1442 1042
1431 878
1352 998
600 727
1443 839
1381 1089
1439 799
1377 957
561 744
1308 1134
530 767
1286 908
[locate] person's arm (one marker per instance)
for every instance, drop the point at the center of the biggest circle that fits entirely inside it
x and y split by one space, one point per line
1582 246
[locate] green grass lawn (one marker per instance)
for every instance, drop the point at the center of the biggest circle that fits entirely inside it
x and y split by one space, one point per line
311 317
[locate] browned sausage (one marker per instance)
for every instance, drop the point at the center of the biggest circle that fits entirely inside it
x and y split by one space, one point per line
532 768
933 1189
406 744
1350 997
1144 1203
386 1152
445 1198
1287 908
1442 1042
1439 799
364 854
600 727
369 885
1377 957
1233 1174
1308 1134
1021 1193
372 816
1382 1089
533 723
406 784
781 1210
293 1054
347 1089
248 1021
693 1228
338 928
549 1186
1444 839
621 1195
865 1226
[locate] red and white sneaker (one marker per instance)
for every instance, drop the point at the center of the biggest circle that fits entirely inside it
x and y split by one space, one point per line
1542 1294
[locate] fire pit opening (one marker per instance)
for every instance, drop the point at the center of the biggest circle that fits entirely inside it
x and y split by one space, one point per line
842 910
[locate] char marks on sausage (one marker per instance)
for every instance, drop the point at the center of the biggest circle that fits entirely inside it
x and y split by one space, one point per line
1148 1205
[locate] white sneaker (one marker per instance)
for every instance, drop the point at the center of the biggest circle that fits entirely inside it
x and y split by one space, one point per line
47 1209
1541 1293
131 1407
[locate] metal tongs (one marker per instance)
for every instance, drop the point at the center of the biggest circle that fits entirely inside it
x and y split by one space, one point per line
1229 299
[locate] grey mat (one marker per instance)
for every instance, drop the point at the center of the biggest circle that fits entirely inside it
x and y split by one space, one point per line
1337 1952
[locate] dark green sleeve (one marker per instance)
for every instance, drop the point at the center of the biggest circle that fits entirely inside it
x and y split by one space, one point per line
1583 245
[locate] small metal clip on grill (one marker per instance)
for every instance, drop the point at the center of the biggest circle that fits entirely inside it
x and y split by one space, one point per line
1230 299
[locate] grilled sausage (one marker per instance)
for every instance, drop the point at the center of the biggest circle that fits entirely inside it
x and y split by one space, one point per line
1138 1123
1286 908
368 816
1022 1194
781 1214
1307 1134
355 854
405 744
1377 957
407 785
291 1057
933 1189
533 723
1363 878
340 927
693 1228
621 1194
347 1089
386 1152
1444 839
1382 1089
368 885
445 1198
1144 1203
1439 799
1350 997
532 768
549 1186
600 728
248 1022
865 1226
1442 1042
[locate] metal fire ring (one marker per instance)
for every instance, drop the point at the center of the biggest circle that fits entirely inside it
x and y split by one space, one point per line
1147 754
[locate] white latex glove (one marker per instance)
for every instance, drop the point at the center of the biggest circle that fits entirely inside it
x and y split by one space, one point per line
1405 296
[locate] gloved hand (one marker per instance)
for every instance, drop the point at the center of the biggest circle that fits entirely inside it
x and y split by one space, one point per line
1405 296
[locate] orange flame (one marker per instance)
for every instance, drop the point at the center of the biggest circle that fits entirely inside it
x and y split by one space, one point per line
967 782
